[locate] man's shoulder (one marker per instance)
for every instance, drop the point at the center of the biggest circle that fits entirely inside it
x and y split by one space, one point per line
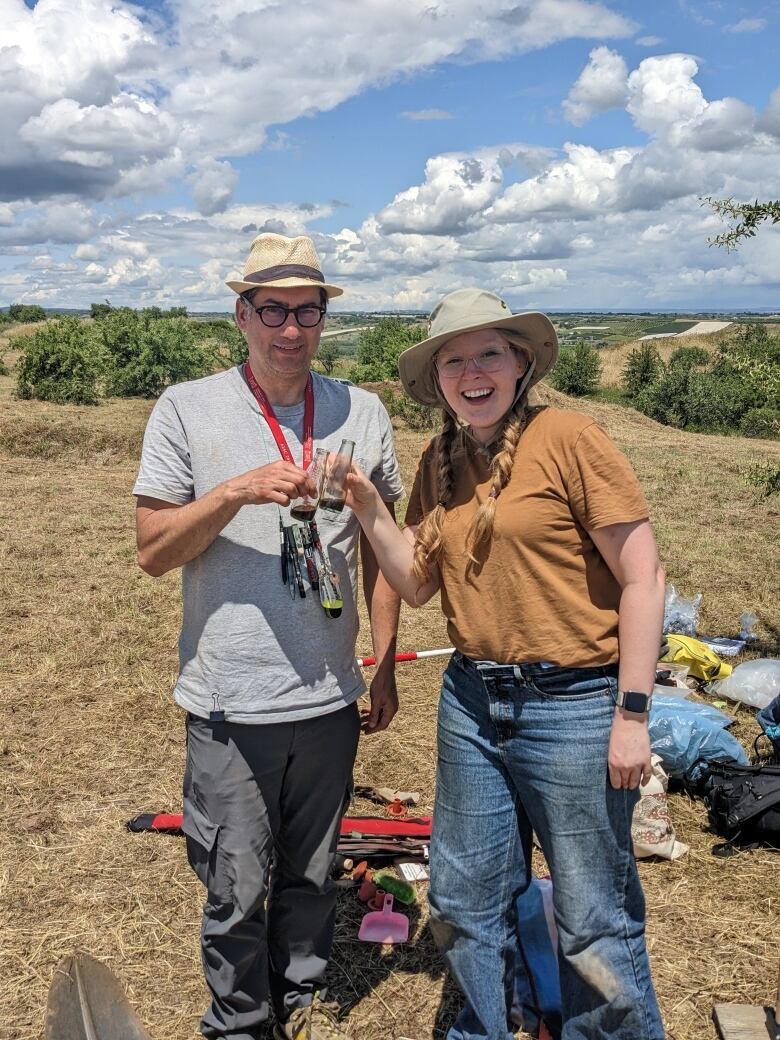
342 390
206 386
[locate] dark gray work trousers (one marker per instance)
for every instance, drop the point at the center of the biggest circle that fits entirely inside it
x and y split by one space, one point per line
262 807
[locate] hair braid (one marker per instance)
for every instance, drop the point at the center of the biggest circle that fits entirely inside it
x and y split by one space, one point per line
481 528
428 543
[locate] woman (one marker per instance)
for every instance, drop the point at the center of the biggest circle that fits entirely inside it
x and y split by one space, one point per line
532 526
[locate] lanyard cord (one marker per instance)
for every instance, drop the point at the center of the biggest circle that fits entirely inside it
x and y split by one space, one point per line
269 415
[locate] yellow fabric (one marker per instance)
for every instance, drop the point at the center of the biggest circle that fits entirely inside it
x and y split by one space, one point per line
542 592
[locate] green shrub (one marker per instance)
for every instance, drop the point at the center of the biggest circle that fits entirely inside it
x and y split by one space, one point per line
26 312
765 477
379 347
761 422
415 415
642 368
328 356
578 370
688 357
223 338
60 363
146 354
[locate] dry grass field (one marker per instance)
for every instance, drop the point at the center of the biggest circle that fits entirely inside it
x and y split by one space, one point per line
614 357
90 737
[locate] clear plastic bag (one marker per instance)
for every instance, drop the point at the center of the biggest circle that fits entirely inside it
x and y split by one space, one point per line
747 622
756 683
681 615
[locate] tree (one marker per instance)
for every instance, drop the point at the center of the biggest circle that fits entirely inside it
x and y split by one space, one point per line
643 367
746 215
328 356
379 348
26 312
578 370
147 353
100 310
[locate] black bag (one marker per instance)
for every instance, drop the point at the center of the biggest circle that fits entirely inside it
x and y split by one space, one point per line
743 802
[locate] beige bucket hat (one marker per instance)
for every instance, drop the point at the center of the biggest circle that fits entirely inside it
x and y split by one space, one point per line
284 263
469 310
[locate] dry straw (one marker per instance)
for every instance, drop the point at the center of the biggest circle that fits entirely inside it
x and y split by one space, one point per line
90 738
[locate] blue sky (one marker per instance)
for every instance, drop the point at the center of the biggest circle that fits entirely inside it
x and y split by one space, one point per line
554 151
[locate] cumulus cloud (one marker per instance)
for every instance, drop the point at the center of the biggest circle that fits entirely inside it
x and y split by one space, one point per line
770 118
649 41
212 185
662 92
456 189
602 85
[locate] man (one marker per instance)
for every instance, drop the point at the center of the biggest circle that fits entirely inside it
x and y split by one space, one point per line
269 682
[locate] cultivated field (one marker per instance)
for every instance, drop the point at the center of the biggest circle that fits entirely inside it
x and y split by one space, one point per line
90 738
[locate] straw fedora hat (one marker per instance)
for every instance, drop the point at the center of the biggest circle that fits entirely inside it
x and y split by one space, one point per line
469 310
284 263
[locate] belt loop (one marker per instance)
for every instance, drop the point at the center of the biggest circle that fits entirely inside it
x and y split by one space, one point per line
518 673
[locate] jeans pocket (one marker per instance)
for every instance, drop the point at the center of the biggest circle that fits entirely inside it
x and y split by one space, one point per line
574 684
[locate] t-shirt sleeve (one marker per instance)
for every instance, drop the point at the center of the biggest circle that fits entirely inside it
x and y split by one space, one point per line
602 486
165 471
386 476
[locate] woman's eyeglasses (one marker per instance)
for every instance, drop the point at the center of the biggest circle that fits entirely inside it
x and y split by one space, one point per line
274 315
453 366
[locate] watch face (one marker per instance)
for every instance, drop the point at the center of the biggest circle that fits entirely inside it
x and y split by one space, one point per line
635 702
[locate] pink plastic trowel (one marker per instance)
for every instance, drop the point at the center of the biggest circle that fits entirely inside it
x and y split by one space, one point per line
384 926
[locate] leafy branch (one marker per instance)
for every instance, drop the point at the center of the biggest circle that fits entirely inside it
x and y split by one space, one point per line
746 215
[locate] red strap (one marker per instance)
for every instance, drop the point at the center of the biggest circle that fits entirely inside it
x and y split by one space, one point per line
414 827
268 414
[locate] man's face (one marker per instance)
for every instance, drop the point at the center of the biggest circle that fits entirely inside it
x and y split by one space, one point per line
282 354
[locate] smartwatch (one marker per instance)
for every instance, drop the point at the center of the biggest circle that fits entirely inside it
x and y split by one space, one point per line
633 701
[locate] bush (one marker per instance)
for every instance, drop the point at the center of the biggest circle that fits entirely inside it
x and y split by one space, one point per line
761 422
26 312
415 415
379 347
578 370
765 476
60 363
146 354
328 356
223 338
688 357
643 367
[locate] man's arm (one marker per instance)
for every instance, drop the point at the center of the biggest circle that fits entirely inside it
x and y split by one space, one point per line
168 535
383 606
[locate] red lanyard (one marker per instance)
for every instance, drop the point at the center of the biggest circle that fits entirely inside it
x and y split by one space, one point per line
273 422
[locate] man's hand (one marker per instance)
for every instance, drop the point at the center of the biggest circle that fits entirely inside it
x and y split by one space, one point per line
629 752
384 702
277 482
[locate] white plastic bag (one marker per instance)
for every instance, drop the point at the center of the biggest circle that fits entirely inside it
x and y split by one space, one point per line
756 683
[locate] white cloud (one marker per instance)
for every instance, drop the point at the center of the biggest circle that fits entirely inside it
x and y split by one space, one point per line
456 189
662 92
770 118
427 115
649 41
212 185
602 85
747 25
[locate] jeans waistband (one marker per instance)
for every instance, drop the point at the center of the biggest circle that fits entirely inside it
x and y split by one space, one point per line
526 670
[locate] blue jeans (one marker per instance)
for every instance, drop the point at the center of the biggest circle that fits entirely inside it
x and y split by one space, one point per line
523 748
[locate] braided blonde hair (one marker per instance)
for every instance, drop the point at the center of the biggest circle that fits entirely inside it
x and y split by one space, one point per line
428 541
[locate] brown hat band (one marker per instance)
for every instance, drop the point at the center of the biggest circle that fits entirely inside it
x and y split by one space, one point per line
270 274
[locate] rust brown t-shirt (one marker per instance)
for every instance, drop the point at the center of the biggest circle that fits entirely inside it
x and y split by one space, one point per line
542 592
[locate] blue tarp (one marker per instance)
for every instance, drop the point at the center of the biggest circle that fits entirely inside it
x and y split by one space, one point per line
685 732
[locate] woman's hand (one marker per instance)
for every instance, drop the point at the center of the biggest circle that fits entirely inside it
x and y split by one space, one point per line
362 496
629 752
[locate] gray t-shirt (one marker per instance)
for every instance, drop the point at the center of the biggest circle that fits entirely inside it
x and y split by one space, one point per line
246 647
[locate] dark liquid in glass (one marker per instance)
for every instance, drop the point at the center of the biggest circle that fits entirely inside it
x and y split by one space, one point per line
303 512
335 505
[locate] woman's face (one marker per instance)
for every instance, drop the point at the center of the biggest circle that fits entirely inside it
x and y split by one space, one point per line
478 374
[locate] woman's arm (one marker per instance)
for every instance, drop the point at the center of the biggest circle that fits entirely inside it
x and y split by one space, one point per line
629 551
394 549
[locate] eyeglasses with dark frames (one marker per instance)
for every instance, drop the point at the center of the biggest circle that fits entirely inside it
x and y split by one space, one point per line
274 315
